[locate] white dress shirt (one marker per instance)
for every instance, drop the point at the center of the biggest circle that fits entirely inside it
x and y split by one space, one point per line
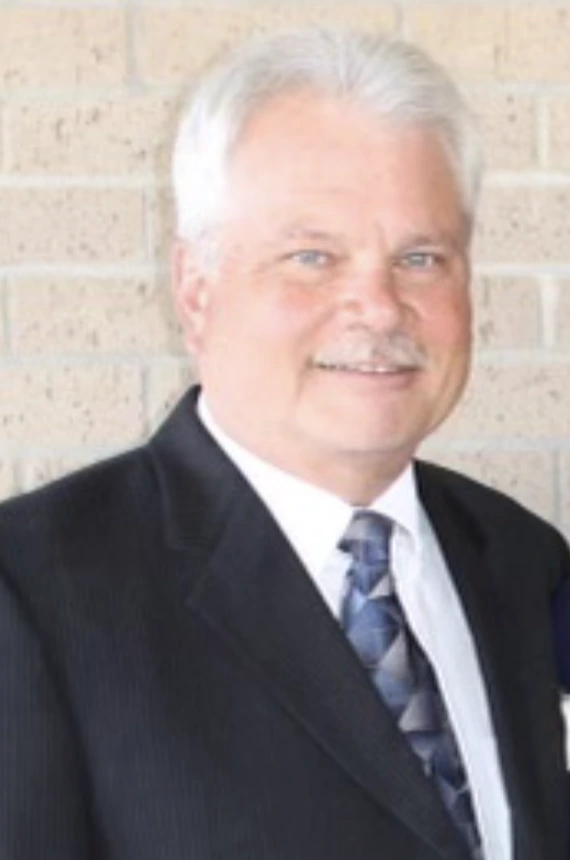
425 589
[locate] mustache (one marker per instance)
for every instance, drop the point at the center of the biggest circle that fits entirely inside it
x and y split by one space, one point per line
393 350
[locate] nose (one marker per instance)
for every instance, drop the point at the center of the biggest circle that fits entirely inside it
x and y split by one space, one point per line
372 297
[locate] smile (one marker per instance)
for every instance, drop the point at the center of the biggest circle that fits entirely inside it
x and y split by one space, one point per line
366 368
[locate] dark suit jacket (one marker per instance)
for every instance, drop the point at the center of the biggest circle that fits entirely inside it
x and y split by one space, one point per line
172 686
561 620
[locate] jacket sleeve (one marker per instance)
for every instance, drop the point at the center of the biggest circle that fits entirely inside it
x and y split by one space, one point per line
43 808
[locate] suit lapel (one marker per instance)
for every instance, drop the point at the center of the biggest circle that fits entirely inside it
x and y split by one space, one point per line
479 578
258 597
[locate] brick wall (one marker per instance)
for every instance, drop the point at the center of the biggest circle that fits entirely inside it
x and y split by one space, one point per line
89 350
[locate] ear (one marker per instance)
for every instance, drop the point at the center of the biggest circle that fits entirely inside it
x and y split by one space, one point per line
190 291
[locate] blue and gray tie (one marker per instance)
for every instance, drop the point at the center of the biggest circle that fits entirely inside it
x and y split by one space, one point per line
374 621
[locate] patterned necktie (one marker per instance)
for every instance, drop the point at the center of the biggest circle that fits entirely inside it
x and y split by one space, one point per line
374 622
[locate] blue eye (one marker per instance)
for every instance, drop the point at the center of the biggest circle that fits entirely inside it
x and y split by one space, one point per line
420 260
311 257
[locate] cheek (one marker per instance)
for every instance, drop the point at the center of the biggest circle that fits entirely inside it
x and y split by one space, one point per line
265 314
286 320
460 324
447 324
246 336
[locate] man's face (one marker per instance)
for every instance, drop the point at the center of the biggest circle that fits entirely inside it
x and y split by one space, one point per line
335 332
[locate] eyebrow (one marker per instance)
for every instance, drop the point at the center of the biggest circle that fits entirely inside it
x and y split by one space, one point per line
438 238
302 232
295 232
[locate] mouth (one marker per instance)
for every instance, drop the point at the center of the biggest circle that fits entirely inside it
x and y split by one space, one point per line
365 368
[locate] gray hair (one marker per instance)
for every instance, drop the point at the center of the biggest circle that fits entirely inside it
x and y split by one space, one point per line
385 77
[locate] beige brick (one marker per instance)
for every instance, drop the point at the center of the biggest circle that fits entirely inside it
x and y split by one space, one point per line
564 483
558 147
163 219
524 225
509 42
537 39
71 224
39 470
513 402
196 34
65 316
7 478
526 475
507 313
562 323
508 123
2 149
53 47
467 38
167 382
70 405
96 137
3 332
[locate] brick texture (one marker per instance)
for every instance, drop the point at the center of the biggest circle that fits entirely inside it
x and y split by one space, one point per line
167 380
479 55
123 135
558 132
536 37
514 402
52 225
87 316
562 315
59 47
70 405
2 135
508 124
162 221
501 41
3 333
7 478
564 489
496 326
527 475
524 224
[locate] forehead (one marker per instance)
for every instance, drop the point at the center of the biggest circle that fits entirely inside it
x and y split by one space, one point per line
304 126
303 154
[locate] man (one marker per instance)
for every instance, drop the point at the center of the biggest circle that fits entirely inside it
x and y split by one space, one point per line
270 634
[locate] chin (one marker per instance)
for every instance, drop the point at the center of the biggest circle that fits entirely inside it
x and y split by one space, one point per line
371 446
376 434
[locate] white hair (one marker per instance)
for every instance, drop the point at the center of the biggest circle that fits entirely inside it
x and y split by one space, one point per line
385 77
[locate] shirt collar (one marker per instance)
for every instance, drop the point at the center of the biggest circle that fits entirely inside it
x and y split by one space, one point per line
289 499
400 502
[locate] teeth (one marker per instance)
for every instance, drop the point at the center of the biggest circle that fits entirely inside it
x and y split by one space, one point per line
357 368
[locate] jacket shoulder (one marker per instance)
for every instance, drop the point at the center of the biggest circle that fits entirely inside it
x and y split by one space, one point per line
93 496
493 510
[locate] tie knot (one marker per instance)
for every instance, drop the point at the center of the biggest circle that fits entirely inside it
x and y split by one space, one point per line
367 541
